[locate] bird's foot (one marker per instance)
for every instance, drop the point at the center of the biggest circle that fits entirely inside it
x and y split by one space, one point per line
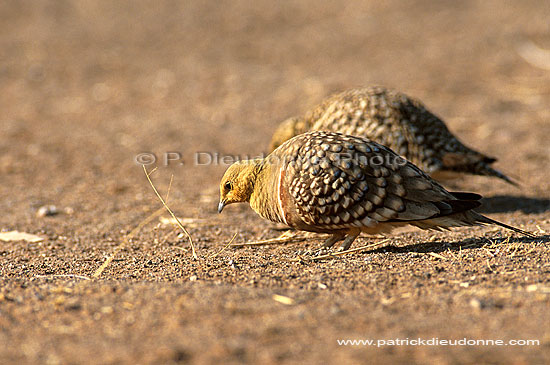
314 252
327 247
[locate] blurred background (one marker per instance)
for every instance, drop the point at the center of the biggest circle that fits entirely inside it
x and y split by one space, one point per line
86 86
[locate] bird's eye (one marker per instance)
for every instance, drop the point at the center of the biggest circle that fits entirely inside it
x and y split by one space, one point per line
227 186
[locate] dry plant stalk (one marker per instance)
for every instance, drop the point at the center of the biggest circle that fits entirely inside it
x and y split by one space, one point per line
284 238
130 235
147 174
283 299
63 276
224 247
134 231
436 255
362 248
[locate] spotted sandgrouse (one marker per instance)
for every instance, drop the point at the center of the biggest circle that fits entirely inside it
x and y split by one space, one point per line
397 121
343 185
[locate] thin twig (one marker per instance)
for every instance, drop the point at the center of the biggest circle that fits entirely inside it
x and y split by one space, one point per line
489 266
169 188
125 240
272 241
63 276
224 247
283 299
171 213
362 248
436 255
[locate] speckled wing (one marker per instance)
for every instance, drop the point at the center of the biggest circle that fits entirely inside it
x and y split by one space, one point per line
399 122
432 143
337 181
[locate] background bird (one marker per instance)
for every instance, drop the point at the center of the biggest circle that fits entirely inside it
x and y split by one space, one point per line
343 185
395 120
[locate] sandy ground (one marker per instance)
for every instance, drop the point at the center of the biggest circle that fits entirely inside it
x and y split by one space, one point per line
87 87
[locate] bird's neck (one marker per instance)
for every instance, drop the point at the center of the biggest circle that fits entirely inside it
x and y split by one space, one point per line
263 199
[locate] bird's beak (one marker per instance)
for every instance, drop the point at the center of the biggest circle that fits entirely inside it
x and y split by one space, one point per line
221 205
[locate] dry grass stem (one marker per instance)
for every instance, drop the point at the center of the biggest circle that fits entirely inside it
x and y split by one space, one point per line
170 211
436 255
130 235
284 238
64 276
224 247
362 248
282 299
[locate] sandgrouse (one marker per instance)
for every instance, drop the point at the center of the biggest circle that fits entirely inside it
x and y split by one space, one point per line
397 121
343 185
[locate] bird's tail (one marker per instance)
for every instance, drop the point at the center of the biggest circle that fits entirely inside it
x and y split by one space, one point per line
481 219
458 213
486 170
467 218
473 163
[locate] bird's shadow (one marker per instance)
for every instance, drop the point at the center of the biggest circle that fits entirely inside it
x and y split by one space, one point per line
508 203
444 246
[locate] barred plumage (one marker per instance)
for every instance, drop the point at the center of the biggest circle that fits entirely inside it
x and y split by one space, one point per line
397 121
343 185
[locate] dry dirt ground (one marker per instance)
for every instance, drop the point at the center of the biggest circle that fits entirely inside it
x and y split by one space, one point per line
87 86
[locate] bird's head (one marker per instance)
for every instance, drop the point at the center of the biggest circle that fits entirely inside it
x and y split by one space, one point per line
286 130
237 184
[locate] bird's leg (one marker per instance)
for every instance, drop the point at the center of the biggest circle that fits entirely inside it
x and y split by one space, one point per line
333 239
325 247
348 241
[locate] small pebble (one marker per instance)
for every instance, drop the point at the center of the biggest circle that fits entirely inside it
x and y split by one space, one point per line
475 303
47 210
